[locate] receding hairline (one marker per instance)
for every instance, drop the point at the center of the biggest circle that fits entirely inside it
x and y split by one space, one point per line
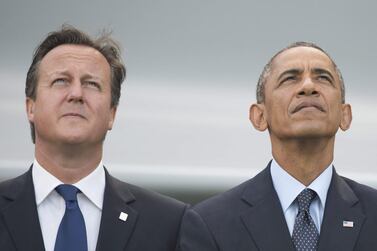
279 54
90 48
87 47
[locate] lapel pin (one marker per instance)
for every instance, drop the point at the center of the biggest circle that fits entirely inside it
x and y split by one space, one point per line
347 223
123 216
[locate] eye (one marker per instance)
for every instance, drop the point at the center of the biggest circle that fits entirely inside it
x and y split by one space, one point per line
325 78
60 81
92 84
288 79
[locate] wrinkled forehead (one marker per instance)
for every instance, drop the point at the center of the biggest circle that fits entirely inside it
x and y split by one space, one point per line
301 58
64 58
75 52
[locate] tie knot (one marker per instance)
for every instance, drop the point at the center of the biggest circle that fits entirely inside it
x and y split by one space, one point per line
68 192
305 198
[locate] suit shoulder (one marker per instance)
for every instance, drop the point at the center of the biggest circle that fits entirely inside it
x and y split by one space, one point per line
154 210
147 197
224 202
14 183
9 189
362 191
154 197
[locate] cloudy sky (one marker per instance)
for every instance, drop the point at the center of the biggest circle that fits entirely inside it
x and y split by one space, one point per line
192 69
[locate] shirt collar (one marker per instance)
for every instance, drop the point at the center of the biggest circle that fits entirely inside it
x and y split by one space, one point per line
44 182
92 186
288 187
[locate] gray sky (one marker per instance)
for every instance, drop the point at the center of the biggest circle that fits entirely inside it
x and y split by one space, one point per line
192 68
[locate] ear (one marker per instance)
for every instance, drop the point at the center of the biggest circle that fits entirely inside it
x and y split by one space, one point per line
257 117
113 112
30 109
346 119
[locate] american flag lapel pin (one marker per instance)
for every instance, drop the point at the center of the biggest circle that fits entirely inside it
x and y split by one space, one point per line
347 223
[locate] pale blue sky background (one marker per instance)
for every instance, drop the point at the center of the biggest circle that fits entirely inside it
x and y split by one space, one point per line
192 68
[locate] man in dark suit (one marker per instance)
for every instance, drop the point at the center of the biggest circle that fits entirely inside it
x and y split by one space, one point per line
67 200
298 202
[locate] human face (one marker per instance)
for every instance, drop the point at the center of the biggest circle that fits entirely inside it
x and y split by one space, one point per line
72 105
302 97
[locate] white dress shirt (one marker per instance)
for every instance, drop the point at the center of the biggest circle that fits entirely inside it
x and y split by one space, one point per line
288 188
51 206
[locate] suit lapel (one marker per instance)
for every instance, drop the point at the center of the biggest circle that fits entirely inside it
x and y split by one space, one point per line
114 232
265 220
21 216
341 205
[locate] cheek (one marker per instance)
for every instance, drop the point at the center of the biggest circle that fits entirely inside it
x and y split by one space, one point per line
335 108
47 100
42 109
103 113
47 108
275 112
335 117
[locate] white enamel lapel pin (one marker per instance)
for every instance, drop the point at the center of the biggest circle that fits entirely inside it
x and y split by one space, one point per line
348 224
123 216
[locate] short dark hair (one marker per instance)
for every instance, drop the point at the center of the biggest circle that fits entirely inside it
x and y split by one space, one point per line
68 34
267 69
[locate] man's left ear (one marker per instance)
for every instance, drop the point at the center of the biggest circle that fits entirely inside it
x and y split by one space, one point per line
346 120
113 112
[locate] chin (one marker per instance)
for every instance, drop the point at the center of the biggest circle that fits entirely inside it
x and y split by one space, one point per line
313 132
73 140
76 137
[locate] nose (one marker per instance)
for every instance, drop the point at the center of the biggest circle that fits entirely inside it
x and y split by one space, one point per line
75 92
308 88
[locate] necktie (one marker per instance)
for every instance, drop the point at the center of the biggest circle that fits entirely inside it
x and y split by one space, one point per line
72 232
305 235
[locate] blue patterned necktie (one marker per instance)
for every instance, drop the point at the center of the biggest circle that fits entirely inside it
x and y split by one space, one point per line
72 232
305 235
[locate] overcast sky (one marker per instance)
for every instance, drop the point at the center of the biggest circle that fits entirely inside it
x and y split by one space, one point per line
192 69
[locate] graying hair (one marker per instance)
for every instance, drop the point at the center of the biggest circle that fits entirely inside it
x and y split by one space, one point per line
268 67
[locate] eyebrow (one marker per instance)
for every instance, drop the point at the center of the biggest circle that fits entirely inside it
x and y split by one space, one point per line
294 71
89 76
297 71
85 76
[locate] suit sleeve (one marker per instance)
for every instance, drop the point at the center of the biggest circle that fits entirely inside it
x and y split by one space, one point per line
194 234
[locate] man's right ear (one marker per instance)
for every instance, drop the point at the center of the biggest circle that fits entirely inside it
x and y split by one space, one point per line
257 117
30 109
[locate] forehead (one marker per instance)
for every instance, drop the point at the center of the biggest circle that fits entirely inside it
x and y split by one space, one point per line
67 55
302 57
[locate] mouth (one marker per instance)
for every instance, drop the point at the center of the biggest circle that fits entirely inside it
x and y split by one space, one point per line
308 105
74 115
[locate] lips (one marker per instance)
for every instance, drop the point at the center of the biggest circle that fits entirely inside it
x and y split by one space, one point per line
308 104
72 114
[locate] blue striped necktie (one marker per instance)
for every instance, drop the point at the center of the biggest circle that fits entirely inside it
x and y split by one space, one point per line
72 232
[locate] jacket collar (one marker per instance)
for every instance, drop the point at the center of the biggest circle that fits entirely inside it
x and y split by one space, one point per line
21 215
118 217
265 220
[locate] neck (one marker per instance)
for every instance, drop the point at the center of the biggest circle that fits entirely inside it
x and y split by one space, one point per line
304 159
69 164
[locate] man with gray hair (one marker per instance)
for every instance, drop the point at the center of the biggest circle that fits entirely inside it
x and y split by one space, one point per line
68 201
298 202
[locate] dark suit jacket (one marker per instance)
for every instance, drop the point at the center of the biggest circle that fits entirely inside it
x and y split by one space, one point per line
153 220
249 217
